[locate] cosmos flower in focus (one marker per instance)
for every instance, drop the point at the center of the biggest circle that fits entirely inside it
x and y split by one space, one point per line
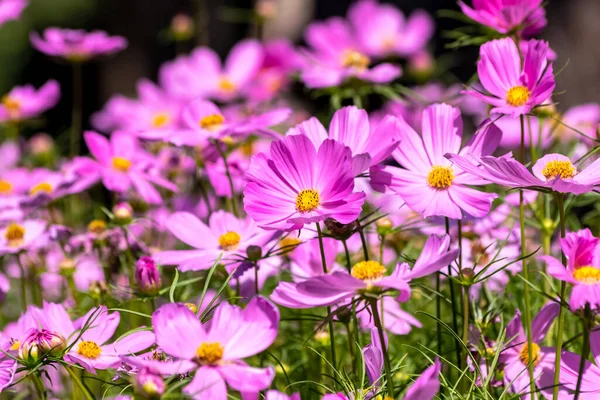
77 45
25 102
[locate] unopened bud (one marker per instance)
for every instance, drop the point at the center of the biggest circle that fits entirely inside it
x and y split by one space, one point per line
147 275
338 230
254 253
467 276
384 226
39 343
123 213
182 27
67 267
149 384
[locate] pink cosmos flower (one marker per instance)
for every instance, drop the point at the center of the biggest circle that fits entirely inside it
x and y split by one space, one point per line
428 183
201 73
527 17
582 250
327 290
335 55
202 120
552 172
77 45
121 163
275 395
216 351
88 336
11 9
153 112
225 234
20 236
515 353
350 126
383 30
24 102
297 184
514 87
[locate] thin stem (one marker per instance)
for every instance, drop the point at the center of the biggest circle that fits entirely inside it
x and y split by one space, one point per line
77 109
347 253
23 284
465 297
585 351
527 311
39 386
438 312
386 358
256 279
454 307
324 264
560 200
79 384
234 209
363 240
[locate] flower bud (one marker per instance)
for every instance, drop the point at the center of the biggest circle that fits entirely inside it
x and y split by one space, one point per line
385 226
254 253
40 144
67 267
149 384
40 343
59 232
147 276
123 213
338 230
421 66
182 27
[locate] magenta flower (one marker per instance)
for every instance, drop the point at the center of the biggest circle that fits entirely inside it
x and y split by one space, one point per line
428 183
153 112
24 102
514 87
121 163
202 120
350 126
583 268
225 234
147 275
11 9
20 236
77 45
527 17
515 353
90 348
275 395
552 172
327 290
335 55
201 73
217 351
297 184
383 30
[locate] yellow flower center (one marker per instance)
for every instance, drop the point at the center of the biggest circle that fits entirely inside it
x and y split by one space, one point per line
517 96
559 168
150 388
587 274
12 106
535 353
212 122
121 164
5 187
209 352
307 200
440 177
229 241
96 226
368 270
89 349
356 60
160 119
41 187
15 345
289 244
14 235
226 85
192 307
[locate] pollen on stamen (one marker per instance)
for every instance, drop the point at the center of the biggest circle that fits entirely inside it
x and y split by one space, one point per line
159 120
226 85
209 353
356 60
289 244
89 349
12 106
121 164
535 354
96 226
440 177
517 96
5 187
559 168
307 200
212 122
587 274
41 187
229 241
14 235
368 270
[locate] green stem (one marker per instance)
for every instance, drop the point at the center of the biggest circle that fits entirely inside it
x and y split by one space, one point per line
465 299
256 279
560 200
454 307
23 284
234 209
39 386
585 352
438 313
79 384
77 109
363 240
386 358
324 264
527 311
